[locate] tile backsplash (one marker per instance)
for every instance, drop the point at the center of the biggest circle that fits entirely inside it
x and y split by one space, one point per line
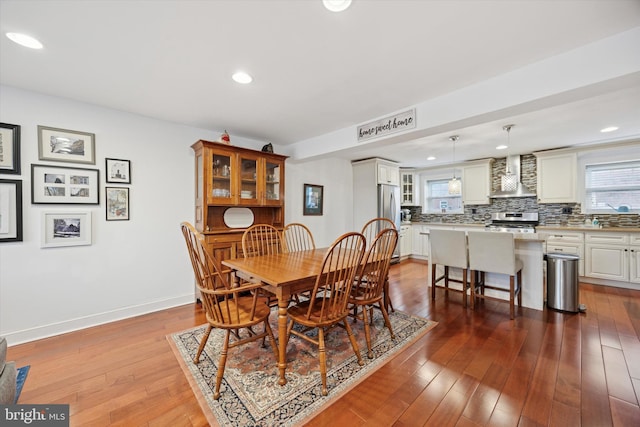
549 214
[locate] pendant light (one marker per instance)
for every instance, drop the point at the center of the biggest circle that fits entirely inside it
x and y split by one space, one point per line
455 186
508 181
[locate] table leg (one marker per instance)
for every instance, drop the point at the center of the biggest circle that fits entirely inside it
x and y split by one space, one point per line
283 303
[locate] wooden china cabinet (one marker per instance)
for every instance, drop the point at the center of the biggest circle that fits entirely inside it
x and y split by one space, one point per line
236 188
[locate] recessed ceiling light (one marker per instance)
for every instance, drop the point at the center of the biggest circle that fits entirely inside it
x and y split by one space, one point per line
609 129
24 40
242 77
431 158
502 147
336 5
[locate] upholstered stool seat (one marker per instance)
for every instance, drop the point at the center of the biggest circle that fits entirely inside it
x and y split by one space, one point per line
449 249
494 252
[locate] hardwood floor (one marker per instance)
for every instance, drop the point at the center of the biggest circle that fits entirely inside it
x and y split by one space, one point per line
475 368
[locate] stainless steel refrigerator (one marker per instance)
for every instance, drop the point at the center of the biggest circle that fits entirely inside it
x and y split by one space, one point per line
389 207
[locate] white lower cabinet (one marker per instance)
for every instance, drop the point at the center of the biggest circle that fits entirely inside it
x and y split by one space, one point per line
405 242
567 243
612 256
420 242
634 257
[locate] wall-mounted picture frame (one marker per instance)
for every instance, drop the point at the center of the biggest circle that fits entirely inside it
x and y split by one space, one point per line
313 199
117 205
64 145
66 228
118 171
9 149
10 210
62 185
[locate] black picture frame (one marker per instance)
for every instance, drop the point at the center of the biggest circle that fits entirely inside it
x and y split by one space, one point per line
117 171
10 210
117 203
312 199
9 153
64 185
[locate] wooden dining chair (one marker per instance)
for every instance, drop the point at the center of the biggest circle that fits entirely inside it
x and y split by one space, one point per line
494 253
328 303
234 310
297 237
367 292
374 226
261 239
370 230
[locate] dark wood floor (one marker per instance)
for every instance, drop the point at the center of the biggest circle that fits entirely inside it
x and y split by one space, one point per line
475 368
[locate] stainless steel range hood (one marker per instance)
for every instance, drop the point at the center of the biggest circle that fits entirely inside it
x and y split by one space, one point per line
513 165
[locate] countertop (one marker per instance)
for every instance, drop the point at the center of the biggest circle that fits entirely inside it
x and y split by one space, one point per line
588 228
539 227
531 237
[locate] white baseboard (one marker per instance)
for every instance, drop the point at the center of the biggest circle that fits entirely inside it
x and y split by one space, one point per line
46 331
606 282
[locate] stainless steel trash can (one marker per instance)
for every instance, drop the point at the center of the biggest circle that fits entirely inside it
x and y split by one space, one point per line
562 282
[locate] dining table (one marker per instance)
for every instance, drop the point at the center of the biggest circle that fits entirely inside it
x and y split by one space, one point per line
283 275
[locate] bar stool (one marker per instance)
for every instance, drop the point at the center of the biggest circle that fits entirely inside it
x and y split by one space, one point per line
494 252
449 249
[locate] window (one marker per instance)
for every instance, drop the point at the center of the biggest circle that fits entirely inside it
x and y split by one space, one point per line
438 199
612 187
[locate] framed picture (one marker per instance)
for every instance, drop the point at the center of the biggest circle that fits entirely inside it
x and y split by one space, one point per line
117 205
66 228
313 199
118 170
10 210
9 148
62 145
57 184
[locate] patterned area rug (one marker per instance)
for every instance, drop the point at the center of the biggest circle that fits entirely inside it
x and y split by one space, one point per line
21 377
250 394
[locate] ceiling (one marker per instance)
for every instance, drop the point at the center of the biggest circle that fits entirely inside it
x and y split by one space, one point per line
315 71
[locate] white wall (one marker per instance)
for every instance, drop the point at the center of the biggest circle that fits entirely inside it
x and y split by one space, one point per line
136 266
336 177
132 267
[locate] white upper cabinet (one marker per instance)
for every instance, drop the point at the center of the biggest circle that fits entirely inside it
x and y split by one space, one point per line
476 182
388 173
557 177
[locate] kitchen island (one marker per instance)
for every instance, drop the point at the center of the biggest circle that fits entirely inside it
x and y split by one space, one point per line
530 248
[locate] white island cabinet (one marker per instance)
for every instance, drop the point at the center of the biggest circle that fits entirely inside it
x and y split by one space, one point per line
530 249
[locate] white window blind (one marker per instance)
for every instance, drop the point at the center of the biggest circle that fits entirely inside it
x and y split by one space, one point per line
612 185
438 199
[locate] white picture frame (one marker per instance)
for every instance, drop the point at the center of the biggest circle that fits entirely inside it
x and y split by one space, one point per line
66 228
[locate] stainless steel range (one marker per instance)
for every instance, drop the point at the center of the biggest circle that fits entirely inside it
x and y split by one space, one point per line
513 222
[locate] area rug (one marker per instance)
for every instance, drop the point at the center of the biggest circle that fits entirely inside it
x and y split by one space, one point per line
250 394
21 377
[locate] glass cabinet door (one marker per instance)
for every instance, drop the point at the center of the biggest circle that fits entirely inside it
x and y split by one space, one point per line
221 169
407 188
273 179
248 180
